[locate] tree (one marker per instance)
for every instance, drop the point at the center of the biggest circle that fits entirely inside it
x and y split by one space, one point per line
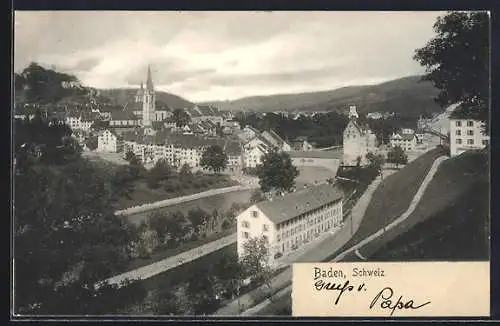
92 143
180 117
197 218
257 196
176 227
277 172
457 61
255 260
167 303
201 291
375 162
185 172
122 183
214 158
161 171
67 239
229 272
129 155
397 156
135 167
159 222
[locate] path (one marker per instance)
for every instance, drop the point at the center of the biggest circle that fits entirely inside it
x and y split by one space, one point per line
416 199
178 200
174 261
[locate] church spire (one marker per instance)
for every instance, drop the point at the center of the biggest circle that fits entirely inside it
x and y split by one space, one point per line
149 82
142 85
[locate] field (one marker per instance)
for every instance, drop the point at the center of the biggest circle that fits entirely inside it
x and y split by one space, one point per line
393 196
451 221
310 174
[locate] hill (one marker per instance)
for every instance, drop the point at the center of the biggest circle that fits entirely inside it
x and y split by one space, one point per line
452 208
42 86
399 95
120 96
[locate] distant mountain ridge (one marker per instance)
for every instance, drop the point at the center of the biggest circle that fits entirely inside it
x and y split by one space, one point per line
403 94
121 96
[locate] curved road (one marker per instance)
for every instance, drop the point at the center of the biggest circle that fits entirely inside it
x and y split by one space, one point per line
355 249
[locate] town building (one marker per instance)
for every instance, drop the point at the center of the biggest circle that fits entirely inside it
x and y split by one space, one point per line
466 134
276 141
248 133
261 144
358 140
109 141
374 115
407 141
301 144
288 222
81 120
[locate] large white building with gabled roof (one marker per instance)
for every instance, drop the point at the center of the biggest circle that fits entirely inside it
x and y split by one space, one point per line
291 221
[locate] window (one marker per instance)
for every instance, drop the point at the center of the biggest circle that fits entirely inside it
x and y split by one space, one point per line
265 227
279 238
485 142
458 132
245 235
245 224
470 123
459 141
458 123
255 213
470 141
470 132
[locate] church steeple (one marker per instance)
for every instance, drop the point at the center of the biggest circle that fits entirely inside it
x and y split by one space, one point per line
149 81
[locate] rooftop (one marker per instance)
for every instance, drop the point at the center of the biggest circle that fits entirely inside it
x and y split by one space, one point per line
292 205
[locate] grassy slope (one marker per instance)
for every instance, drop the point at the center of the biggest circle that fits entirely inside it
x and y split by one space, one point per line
393 196
453 216
143 194
221 202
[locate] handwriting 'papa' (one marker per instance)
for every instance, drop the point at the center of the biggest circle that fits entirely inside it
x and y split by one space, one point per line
341 287
385 299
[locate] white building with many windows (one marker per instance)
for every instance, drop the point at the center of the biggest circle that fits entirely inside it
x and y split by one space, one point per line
108 141
407 141
291 221
466 134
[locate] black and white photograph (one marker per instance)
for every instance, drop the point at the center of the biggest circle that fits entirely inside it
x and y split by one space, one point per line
178 163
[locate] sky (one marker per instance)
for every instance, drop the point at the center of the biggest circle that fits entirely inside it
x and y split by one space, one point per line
204 56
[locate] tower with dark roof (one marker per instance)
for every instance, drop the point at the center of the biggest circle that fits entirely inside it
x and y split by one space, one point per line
149 100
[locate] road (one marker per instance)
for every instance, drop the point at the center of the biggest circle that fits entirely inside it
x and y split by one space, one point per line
354 252
178 200
174 261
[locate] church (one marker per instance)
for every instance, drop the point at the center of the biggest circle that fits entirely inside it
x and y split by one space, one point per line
358 140
145 103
